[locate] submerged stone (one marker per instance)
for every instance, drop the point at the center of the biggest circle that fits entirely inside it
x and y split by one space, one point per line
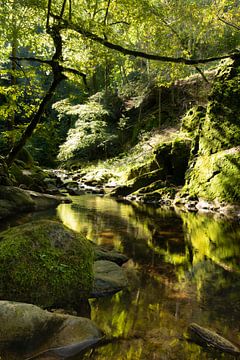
208 337
109 278
110 255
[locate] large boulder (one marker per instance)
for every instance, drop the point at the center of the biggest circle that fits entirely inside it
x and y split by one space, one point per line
45 263
14 200
31 330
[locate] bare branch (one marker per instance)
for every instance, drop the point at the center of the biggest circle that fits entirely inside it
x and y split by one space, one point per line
63 8
235 26
48 13
135 53
119 22
76 72
70 10
48 62
106 13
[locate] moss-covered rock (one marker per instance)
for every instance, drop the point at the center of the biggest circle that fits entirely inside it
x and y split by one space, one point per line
32 177
215 177
138 182
214 172
221 128
4 175
139 170
45 263
25 156
192 119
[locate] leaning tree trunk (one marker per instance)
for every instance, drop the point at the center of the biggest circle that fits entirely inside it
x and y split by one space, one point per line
35 120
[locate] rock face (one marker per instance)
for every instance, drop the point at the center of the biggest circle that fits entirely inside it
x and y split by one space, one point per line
45 263
109 278
14 200
32 330
167 172
213 173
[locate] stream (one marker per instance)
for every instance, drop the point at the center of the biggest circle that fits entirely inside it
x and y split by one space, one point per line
182 268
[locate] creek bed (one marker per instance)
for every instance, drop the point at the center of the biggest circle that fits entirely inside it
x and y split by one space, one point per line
183 268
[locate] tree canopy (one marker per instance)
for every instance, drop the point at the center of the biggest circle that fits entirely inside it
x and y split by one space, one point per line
102 42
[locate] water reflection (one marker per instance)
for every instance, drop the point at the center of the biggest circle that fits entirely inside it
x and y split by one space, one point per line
184 268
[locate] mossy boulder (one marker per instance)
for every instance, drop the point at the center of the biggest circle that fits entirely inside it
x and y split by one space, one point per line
4 175
215 177
32 178
25 156
45 263
139 170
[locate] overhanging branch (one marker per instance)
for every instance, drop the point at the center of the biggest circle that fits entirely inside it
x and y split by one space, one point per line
50 63
135 53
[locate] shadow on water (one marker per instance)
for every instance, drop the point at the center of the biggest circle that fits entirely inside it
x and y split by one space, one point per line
183 268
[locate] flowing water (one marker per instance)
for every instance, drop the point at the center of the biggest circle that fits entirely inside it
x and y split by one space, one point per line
182 268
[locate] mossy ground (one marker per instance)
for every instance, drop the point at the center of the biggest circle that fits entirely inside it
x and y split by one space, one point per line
45 263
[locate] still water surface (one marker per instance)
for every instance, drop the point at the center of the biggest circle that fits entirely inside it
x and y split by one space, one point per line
183 268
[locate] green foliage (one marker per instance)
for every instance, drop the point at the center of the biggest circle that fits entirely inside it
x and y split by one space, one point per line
91 137
182 29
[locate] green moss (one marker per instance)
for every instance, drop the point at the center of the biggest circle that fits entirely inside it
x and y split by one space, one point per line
139 170
161 195
192 119
216 177
221 128
138 182
25 156
156 185
31 176
44 263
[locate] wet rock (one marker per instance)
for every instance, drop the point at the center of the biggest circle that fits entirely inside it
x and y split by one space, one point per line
112 255
208 337
38 331
109 278
14 200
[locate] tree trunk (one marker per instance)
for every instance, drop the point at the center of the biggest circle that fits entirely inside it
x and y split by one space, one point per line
35 120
